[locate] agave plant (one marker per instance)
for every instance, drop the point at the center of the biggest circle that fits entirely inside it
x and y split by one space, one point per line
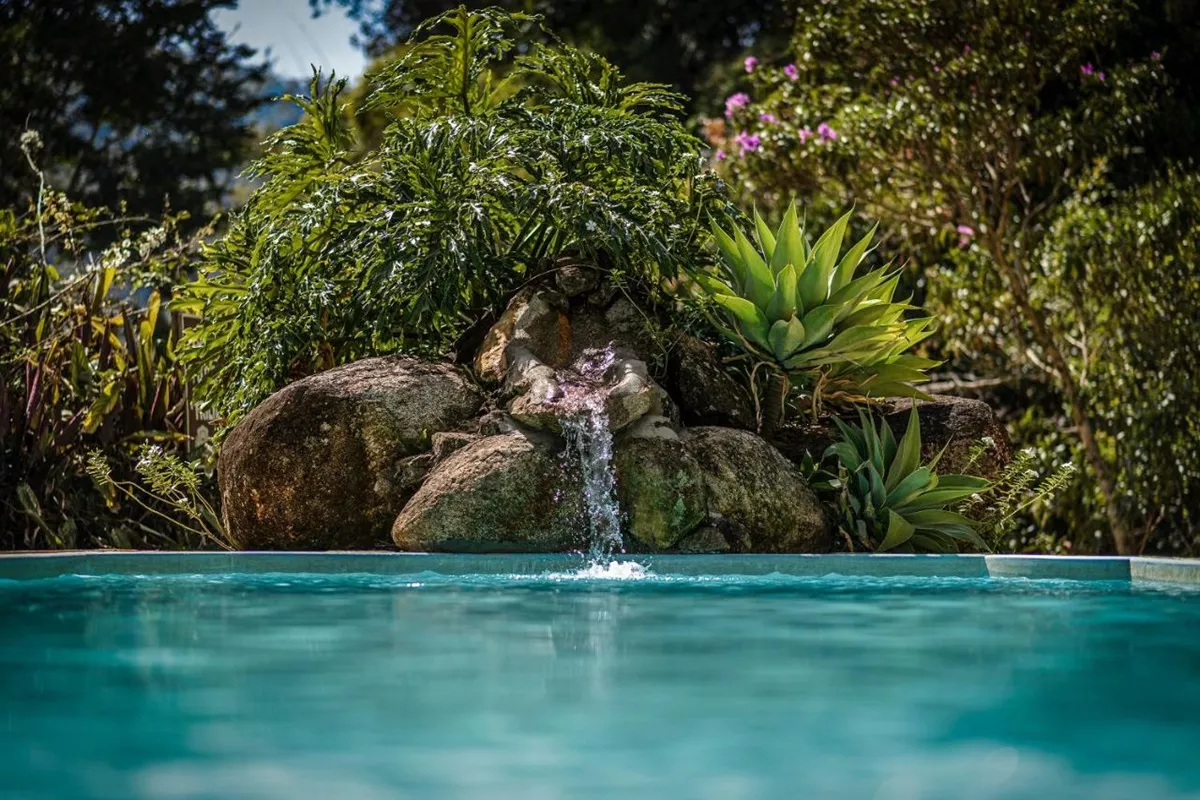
799 311
888 501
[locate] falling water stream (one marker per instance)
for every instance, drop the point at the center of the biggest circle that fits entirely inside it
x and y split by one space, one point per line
590 444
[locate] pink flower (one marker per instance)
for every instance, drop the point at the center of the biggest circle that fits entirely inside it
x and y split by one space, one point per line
966 49
826 133
965 230
719 155
792 73
1087 69
749 142
736 101
936 68
895 81
1100 77
767 118
751 63
805 134
1156 56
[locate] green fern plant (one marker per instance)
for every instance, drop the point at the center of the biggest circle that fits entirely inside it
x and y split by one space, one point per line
166 481
505 153
1018 488
799 310
887 501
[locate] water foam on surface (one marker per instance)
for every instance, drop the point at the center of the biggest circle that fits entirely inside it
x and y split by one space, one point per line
612 571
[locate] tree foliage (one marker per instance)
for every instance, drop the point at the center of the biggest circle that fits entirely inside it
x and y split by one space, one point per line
674 42
504 156
87 363
964 127
136 103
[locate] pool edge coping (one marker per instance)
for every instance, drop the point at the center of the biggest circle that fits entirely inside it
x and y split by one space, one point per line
1134 569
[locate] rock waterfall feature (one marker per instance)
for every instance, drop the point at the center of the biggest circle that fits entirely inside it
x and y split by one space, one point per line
557 438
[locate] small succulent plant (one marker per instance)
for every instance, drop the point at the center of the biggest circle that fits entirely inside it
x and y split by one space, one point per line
888 502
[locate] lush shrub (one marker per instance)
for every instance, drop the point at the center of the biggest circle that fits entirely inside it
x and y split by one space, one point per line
1119 273
504 158
87 364
964 128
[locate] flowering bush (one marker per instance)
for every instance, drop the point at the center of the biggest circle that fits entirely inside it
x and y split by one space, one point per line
964 129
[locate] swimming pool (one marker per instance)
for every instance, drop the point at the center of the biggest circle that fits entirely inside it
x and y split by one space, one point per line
684 680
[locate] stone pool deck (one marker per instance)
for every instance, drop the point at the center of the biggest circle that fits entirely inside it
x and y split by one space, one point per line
1136 570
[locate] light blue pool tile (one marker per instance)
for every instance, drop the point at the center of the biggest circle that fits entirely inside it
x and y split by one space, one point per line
882 566
28 566
1165 570
31 566
1077 568
157 563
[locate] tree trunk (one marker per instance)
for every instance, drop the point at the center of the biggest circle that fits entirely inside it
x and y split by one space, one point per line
1042 334
774 403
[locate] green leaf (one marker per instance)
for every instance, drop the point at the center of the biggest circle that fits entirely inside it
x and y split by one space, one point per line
874 453
789 243
814 282
783 303
889 443
853 435
932 542
908 452
760 281
847 454
899 531
844 273
786 336
749 319
733 258
849 295
873 312
948 523
765 238
818 324
910 486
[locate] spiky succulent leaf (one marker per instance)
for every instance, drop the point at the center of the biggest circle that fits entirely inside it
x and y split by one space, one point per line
760 281
732 258
849 263
783 302
786 336
766 239
814 283
789 243
899 531
750 321
908 451
818 324
855 334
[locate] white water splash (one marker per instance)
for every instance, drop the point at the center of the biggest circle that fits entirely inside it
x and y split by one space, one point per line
612 571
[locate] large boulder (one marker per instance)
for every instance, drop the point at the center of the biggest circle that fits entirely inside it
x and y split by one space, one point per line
325 463
503 493
660 490
957 424
712 489
755 493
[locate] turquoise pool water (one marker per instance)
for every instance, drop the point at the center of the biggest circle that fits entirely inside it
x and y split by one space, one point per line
426 686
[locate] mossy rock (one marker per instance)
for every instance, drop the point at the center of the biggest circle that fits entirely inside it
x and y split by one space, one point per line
660 490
